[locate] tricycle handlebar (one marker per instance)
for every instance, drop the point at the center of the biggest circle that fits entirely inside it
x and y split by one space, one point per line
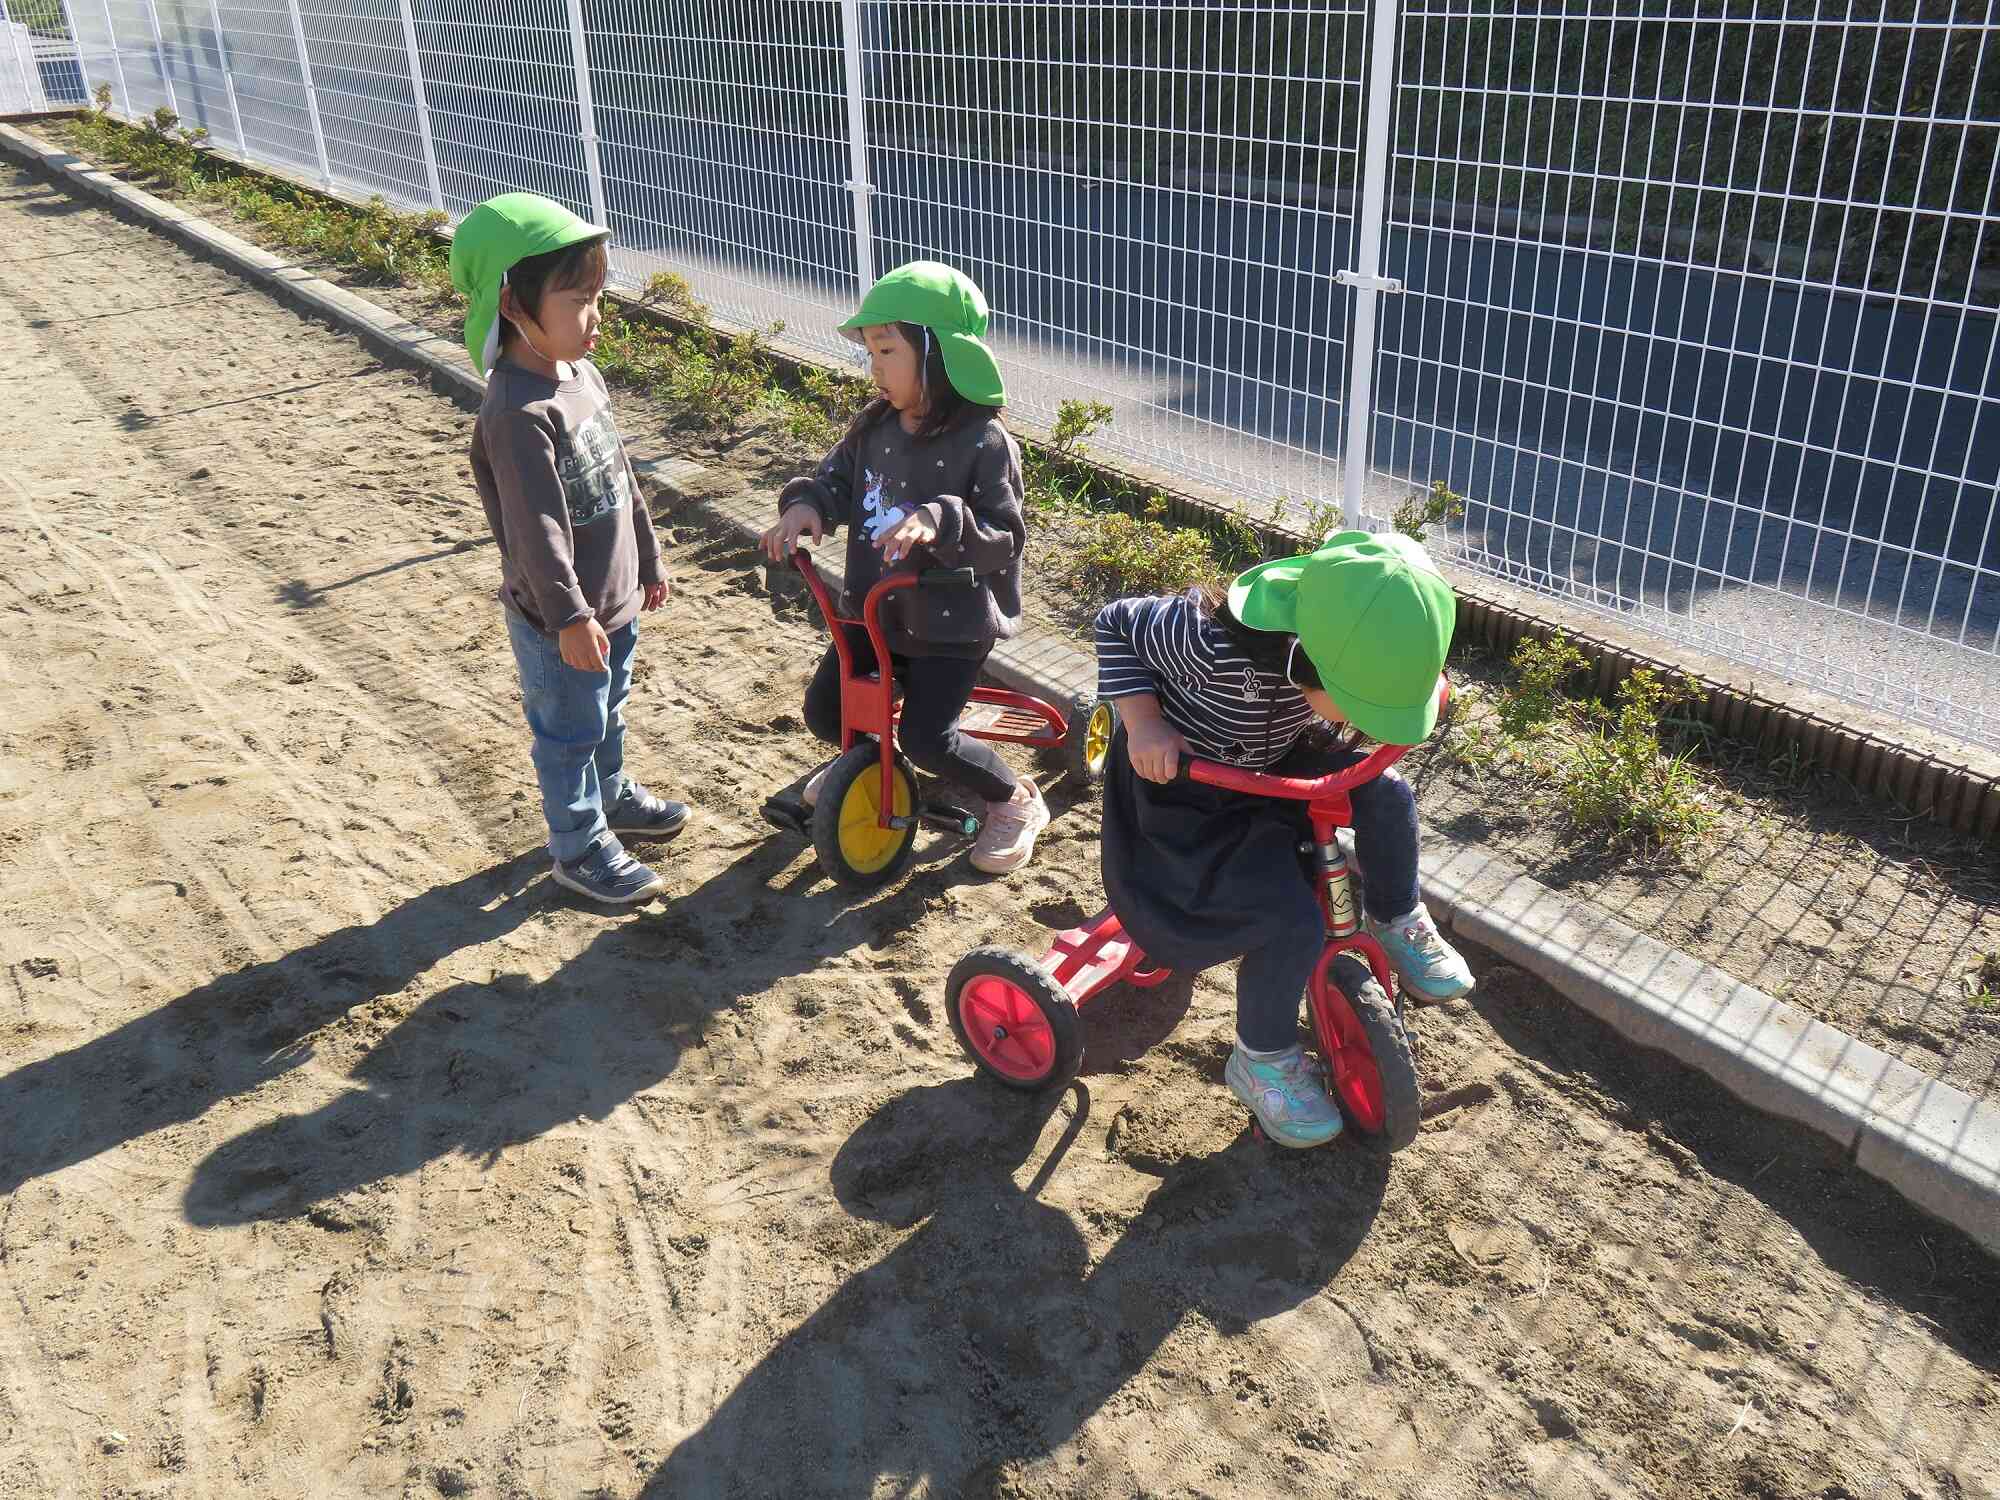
871 606
1303 788
888 583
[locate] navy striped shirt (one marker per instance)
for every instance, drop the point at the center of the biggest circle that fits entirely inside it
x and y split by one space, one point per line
1223 706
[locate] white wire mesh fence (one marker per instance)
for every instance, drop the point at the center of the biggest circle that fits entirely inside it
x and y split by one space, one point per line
1693 299
38 61
20 79
723 145
1700 311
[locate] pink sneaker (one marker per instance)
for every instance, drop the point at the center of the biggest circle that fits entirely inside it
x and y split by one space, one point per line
1007 839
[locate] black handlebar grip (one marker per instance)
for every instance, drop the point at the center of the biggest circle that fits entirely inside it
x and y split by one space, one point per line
947 578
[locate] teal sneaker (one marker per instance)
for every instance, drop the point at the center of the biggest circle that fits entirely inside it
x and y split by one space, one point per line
1287 1096
1430 967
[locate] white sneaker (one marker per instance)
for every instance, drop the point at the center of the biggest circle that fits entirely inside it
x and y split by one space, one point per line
1007 840
809 793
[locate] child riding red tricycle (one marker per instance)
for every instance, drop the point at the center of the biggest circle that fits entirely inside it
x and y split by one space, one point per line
1222 774
868 805
1017 1018
928 483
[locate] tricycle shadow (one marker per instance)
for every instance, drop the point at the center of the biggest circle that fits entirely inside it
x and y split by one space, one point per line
989 1336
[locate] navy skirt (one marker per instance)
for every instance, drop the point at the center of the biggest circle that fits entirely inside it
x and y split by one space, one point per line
1200 875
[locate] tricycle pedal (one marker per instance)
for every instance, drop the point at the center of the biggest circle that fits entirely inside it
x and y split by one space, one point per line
789 815
949 819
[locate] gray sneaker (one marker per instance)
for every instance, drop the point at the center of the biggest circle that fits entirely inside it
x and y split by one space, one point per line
636 810
605 872
1287 1096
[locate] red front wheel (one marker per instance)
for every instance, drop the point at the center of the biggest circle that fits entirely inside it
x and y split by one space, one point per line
1013 1020
1372 1067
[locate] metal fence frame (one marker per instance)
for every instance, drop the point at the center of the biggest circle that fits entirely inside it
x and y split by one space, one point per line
1242 224
37 59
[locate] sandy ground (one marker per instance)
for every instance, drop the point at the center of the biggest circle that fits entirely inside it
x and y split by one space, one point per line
342 1155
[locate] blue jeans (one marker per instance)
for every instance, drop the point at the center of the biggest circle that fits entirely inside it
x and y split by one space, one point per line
578 719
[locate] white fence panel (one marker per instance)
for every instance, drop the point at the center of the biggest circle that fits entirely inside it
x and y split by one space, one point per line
722 132
262 56
193 52
503 100
21 89
367 100
142 78
38 60
1701 314
1157 199
1698 304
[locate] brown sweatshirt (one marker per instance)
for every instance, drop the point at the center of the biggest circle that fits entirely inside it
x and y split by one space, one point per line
576 542
968 480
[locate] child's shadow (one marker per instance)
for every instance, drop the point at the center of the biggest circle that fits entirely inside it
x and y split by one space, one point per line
987 1336
478 1067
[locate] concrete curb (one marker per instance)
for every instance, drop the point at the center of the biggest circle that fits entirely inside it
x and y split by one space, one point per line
1934 1144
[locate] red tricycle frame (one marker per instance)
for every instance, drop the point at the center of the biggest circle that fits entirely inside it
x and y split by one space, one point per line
1029 1038
868 701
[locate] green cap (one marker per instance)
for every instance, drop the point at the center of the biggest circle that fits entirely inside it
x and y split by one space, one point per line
946 302
490 242
1375 616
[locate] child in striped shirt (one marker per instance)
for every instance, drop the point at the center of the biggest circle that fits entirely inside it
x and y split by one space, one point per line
1355 633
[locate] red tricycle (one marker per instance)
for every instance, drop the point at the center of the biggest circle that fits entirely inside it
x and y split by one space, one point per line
1016 1016
864 822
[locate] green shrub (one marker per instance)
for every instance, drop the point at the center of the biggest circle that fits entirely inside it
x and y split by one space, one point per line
1535 698
1439 507
1615 779
1075 421
1123 554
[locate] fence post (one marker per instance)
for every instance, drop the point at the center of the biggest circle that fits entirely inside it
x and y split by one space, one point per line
858 185
421 98
586 113
228 79
160 52
1366 278
312 94
24 59
67 10
117 63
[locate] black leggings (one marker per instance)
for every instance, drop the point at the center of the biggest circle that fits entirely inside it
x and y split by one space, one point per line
935 692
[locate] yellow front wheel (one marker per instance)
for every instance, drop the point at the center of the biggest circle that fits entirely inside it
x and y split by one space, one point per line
1087 748
854 848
